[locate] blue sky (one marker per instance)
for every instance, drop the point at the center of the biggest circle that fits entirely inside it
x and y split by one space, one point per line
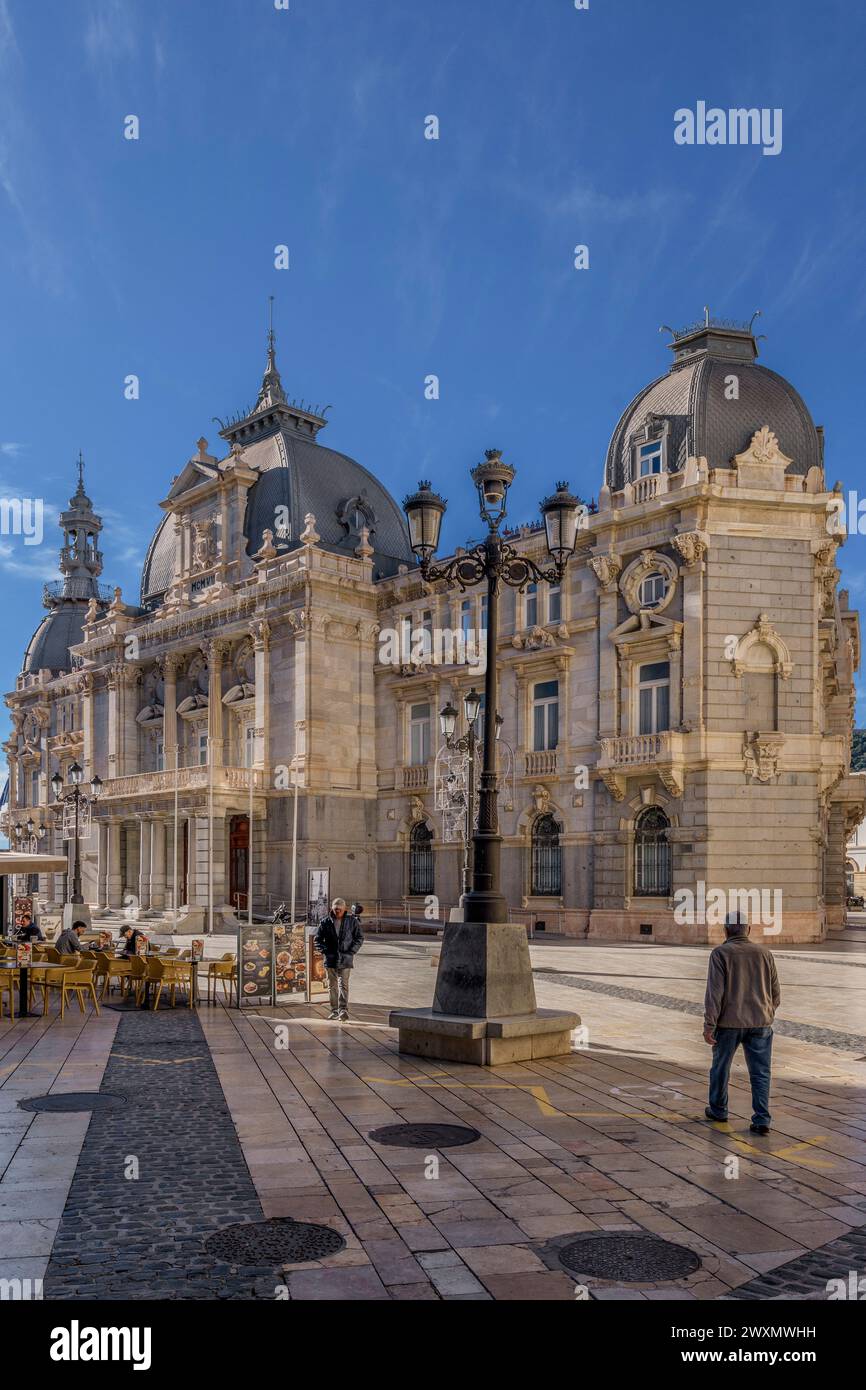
408 256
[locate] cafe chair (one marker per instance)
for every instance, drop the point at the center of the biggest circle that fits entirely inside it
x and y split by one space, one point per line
134 980
171 951
117 970
225 971
77 980
8 984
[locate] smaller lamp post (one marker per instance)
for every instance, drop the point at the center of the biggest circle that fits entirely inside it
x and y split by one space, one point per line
467 743
76 798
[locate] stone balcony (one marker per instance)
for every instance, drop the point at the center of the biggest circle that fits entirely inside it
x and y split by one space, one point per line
661 753
145 784
416 777
542 762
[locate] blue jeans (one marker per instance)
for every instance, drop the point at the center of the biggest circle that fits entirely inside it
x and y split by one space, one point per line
758 1047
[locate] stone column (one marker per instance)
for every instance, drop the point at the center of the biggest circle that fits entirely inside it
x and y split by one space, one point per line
216 651
675 715
261 635
157 863
607 568
102 863
692 546
113 881
146 828
169 721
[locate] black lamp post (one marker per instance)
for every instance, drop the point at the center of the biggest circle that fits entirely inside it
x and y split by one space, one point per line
76 796
499 563
467 743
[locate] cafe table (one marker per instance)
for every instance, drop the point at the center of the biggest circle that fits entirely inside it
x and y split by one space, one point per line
24 978
171 960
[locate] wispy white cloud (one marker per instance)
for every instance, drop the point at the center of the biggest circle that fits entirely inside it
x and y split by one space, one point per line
109 34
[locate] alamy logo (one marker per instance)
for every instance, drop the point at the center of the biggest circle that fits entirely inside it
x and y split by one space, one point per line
846 520
438 646
22 516
738 126
77 1343
710 906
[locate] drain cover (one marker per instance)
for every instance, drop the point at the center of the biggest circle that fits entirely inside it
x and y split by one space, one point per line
70 1102
280 1242
425 1136
629 1259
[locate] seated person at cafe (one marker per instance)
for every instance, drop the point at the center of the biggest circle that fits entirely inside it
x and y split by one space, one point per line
130 936
67 942
32 932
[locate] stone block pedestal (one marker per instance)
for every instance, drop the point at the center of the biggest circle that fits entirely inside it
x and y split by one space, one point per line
484 1010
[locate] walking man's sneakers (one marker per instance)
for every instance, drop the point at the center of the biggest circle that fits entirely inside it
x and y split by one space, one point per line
760 1129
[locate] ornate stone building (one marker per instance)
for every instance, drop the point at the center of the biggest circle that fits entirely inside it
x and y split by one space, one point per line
677 716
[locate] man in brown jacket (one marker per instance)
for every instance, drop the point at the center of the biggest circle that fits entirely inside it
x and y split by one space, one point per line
740 1004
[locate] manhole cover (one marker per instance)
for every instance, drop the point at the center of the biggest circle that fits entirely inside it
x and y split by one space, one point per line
425 1136
280 1242
72 1101
629 1259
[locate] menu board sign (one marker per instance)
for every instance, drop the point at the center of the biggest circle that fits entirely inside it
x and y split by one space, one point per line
142 944
106 940
196 948
290 963
255 964
22 909
24 954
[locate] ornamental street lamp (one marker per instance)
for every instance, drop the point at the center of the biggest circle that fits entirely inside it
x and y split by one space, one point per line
497 562
484 1009
28 835
76 799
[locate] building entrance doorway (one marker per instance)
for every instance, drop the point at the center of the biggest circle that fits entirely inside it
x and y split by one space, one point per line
239 862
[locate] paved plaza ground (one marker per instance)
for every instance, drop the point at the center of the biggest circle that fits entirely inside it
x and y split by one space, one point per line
233 1118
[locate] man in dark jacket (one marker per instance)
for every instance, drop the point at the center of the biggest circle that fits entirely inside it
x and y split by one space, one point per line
130 936
68 942
741 1001
339 939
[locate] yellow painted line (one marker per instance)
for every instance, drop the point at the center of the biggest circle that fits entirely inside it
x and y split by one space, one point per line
538 1093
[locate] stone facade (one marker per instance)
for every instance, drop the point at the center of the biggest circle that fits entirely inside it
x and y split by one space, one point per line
678 715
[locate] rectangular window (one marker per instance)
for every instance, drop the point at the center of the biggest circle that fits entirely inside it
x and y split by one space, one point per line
532 605
466 616
34 789
249 746
554 604
160 755
427 639
649 457
654 685
202 749
419 734
545 715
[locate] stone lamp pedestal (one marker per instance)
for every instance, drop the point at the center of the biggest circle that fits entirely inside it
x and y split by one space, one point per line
484 1009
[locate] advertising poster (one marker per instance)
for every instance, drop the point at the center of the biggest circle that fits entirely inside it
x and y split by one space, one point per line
142 945
290 964
196 948
22 911
24 955
255 965
318 895
106 940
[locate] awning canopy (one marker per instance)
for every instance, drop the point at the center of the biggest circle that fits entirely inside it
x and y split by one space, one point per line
11 862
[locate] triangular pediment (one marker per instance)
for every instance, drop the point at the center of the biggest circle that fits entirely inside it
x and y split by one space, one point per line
645 624
192 475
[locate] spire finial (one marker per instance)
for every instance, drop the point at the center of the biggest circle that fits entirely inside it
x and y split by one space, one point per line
270 323
80 471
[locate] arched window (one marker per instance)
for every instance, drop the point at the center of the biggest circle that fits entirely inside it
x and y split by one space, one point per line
421 859
652 854
546 864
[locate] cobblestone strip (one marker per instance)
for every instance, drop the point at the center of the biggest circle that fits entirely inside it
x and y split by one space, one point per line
804 1032
808 1276
125 1237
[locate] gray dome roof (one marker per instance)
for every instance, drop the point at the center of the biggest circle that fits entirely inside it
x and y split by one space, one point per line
278 439
59 630
690 402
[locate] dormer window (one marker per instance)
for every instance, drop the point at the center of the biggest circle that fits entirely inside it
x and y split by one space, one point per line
650 458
